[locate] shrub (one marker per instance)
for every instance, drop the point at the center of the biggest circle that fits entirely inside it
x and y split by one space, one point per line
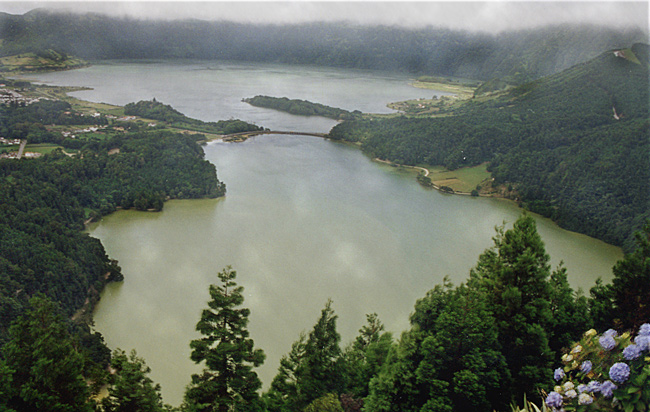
606 372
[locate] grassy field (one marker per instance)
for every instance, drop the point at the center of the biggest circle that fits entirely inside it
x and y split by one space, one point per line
31 62
458 89
42 148
461 180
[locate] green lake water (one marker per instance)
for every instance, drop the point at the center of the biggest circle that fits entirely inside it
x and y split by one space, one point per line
304 220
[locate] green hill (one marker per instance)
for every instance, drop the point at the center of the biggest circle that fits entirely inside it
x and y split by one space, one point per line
573 145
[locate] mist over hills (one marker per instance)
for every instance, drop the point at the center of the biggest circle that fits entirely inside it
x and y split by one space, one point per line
516 56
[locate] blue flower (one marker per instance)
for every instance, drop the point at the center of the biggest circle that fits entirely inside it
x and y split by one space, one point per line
585 367
585 399
554 400
644 330
607 389
643 342
582 388
632 352
559 374
619 372
594 386
611 333
607 342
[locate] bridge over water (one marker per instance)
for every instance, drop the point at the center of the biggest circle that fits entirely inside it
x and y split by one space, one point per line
234 137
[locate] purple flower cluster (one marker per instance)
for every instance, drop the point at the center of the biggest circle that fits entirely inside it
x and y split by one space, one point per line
643 341
607 389
619 372
644 330
554 400
594 386
571 392
632 352
607 342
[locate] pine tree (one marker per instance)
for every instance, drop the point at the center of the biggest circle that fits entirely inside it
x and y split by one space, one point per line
131 389
320 372
228 382
283 394
514 276
625 303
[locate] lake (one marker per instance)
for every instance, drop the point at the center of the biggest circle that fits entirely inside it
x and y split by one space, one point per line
304 219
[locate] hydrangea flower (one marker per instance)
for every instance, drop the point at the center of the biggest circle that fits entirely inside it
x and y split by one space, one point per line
586 367
567 358
594 386
632 352
571 394
554 400
644 330
611 333
577 349
582 387
559 374
591 332
607 342
568 386
585 399
619 372
643 342
607 389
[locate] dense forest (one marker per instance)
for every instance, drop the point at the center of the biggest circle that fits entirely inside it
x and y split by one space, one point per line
514 56
45 201
571 146
301 107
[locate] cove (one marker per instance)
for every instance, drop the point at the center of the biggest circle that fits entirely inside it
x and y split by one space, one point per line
305 219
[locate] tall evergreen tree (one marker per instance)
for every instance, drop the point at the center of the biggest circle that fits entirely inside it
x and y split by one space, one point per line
625 303
131 389
365 356
283 393
228 382
320 373
514 277
312 369
45 366
448 361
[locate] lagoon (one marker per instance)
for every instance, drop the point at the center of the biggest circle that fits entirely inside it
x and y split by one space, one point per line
304 219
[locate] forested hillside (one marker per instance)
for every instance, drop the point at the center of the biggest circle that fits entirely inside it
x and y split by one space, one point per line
573 146
163 112
515 56
45 202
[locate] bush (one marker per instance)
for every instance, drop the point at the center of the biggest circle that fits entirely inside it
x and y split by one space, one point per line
607 372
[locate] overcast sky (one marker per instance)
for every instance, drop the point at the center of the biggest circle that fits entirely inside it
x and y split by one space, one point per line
492 16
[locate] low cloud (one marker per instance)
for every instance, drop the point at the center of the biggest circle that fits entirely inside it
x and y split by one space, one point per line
488 16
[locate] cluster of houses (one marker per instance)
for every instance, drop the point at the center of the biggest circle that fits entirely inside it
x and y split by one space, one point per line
16 155
73 134
4 141
8 96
